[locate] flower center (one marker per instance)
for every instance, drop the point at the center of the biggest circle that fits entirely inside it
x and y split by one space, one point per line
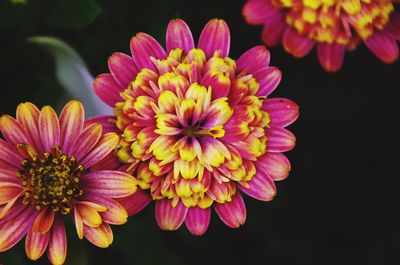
51 180
215 132
329 21
192 131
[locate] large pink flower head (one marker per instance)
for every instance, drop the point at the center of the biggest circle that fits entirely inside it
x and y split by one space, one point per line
196 126
53 167
331 25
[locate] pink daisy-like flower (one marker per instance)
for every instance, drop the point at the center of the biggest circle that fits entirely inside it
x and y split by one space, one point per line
196 126
50 168
331 25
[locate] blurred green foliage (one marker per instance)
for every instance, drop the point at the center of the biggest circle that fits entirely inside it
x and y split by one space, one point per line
59 14
82 11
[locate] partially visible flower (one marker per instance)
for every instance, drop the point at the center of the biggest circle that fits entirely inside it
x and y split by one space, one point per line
197 127
53 167
331 25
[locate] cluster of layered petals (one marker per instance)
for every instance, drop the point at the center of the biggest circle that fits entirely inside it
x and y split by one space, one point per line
51 167
196 126
333 26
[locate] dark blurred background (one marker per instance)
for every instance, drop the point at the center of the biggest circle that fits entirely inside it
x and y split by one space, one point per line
338 206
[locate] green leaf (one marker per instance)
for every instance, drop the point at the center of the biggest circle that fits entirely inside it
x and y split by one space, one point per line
72 14
73 74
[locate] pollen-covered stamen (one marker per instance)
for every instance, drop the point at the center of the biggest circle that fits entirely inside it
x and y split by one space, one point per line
51 180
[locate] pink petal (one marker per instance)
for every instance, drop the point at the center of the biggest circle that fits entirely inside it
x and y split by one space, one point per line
104 146
275 165
393 27
168 217
12 231
144 46
101 236
44 221
13 131
136 202
87 140
273 29
261 187
383 46
89 214
57 249
9 155
295 44
107 89
122 68
179 36
12 212
282 111
233 213
254 59
8 173
280 140
28 116
331 56
214 151
78 224
108 123
115 214
258 11
110 183
217 114
5 210
269 79
197 220
49 128
9 191
220 84
110 162
215 37
36 244
71 123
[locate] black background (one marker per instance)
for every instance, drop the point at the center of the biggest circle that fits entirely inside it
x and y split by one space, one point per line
340 202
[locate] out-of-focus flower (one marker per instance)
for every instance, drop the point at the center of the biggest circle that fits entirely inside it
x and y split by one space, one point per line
52 167
331 25
197 127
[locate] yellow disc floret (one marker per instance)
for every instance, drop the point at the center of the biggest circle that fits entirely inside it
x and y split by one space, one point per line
51 180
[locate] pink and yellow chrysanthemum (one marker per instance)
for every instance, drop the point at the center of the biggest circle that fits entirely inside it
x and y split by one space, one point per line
54 167
331 25
196 126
